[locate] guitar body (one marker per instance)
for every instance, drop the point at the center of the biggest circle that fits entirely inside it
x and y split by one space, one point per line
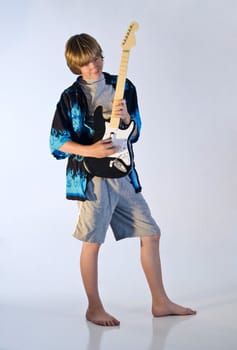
118 164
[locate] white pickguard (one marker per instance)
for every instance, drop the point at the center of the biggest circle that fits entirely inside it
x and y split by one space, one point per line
120 138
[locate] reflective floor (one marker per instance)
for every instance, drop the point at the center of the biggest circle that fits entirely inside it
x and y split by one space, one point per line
60 324
42 301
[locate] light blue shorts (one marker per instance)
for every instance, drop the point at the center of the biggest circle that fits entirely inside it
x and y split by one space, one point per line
113 202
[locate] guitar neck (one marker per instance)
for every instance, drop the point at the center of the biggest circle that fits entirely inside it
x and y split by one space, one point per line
119 91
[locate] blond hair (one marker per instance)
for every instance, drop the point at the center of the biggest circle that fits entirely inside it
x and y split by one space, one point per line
80 50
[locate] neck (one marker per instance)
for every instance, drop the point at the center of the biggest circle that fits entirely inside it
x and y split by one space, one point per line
90 81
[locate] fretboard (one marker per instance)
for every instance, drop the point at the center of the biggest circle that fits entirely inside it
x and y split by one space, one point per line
119 91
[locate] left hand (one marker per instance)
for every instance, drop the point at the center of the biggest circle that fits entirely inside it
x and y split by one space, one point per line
120 111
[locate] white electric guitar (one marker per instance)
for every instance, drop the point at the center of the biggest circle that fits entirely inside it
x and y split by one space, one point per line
120 163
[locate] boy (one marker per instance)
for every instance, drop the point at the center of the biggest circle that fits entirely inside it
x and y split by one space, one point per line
104 201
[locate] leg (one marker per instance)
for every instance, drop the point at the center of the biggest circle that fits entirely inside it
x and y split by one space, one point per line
150 259
89 271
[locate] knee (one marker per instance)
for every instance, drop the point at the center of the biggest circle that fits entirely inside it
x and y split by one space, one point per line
90 247
151 240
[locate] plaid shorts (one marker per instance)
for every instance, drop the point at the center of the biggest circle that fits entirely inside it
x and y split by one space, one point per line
113 202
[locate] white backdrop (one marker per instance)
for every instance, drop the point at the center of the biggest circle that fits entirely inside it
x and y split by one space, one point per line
184 68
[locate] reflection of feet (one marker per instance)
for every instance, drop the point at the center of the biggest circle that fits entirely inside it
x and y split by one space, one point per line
168 308
101 318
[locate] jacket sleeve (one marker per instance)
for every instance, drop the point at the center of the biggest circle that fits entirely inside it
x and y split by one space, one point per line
130 95
61 128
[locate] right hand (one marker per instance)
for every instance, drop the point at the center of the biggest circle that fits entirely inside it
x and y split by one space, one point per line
102 149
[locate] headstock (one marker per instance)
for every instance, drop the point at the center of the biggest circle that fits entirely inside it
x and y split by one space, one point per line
129 39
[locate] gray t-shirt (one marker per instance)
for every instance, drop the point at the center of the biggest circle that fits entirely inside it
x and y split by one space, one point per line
98 94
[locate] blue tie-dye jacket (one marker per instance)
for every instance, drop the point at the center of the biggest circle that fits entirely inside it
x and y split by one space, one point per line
70 123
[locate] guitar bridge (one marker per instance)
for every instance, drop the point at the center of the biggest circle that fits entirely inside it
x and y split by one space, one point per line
118 165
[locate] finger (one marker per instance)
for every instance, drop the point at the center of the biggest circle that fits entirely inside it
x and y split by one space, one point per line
112 150
118 103
108 140
119 109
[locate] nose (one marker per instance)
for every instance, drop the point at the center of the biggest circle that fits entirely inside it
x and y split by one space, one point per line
92 65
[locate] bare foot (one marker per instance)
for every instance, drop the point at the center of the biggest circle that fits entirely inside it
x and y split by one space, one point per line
168 308
101 318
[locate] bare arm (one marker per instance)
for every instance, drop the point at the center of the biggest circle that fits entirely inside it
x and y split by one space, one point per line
102 148
99 149
120 111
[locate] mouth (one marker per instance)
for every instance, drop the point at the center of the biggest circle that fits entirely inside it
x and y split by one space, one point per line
95 72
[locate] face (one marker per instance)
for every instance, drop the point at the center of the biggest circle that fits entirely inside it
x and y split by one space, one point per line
93 69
